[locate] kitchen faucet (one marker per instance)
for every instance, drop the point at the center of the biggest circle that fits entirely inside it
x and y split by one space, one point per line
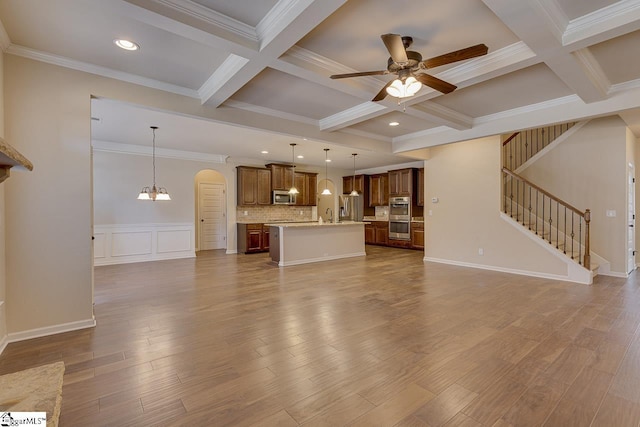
330 212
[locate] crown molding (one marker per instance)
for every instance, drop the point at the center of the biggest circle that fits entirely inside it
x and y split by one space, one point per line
356 113
36 55
140 150
497 60
528 109
608 18
592 69
317 61
272 24
555 17
231 65
212 17
364 134
270 112
624 87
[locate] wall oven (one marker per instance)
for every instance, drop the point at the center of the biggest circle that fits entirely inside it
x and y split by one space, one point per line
399 218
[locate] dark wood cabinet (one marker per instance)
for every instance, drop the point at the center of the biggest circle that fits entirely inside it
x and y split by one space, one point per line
382 232
348 184
420 187
417 235
253 238
254 186
369 234
379 190
281 176
401 182
307 184
376 233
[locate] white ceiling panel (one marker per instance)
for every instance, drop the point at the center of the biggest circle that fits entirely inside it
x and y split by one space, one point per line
528 86
249 12
406 124
575 9
352 36
284 92
620 50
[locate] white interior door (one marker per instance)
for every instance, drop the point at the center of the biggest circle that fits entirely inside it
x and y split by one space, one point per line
212 215
631 218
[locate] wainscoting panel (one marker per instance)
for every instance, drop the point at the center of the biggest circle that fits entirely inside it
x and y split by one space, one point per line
127 243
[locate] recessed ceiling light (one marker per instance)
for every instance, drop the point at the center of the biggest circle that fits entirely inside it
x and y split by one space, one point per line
126 44
394 124
300 156
328 160
264 152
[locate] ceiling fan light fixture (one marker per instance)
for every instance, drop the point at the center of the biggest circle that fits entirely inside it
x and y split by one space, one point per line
400 89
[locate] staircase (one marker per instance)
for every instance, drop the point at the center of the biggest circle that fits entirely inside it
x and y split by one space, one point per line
556 224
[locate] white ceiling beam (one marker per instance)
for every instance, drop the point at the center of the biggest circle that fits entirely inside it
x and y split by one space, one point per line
533 24
291 25
617 19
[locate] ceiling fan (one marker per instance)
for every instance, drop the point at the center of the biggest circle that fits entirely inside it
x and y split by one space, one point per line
408 66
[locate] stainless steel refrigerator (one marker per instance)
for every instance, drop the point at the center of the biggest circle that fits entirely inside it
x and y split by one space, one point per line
351 208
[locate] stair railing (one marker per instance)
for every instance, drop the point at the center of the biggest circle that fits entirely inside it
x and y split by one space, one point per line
550 217
521 146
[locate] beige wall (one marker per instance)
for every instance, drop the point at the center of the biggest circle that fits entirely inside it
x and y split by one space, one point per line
465 177
49 211
118 178
588 170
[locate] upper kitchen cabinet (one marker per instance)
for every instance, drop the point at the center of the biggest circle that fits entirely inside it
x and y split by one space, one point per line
401 182
348 184
281 176
307 184
254 186
379 190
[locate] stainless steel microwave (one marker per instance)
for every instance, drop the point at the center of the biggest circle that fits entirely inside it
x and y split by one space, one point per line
282 197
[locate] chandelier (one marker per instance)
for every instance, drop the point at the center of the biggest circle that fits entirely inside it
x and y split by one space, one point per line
154 193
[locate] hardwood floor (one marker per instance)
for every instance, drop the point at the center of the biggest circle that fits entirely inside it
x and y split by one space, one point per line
382 340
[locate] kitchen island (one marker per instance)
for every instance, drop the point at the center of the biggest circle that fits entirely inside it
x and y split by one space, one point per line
302 243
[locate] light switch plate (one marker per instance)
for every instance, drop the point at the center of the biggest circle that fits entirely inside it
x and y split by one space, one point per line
611 213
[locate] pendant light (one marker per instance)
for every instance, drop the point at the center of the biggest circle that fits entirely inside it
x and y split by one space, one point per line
354 192
293 189
154 193
326 191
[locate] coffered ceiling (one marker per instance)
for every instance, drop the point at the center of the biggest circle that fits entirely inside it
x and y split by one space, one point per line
267 64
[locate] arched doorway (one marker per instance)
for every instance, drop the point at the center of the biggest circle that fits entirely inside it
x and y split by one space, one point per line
211 210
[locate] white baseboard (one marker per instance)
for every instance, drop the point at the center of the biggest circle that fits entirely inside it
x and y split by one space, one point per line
614 274
51 330
502 269
133 259
231 252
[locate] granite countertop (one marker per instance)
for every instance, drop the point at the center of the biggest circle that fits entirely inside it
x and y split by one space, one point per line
273 221
313 224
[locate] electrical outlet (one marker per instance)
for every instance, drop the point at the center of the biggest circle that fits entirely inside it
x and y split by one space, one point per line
430 212
480 251
300 212
246 213
611 213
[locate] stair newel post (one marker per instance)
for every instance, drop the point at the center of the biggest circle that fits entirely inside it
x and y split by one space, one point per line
587 250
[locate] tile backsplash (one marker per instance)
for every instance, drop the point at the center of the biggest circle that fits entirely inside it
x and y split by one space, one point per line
274 213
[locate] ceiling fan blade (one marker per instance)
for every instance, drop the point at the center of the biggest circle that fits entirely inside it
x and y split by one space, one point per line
457 55
435 83
396 49
364 73
383 92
